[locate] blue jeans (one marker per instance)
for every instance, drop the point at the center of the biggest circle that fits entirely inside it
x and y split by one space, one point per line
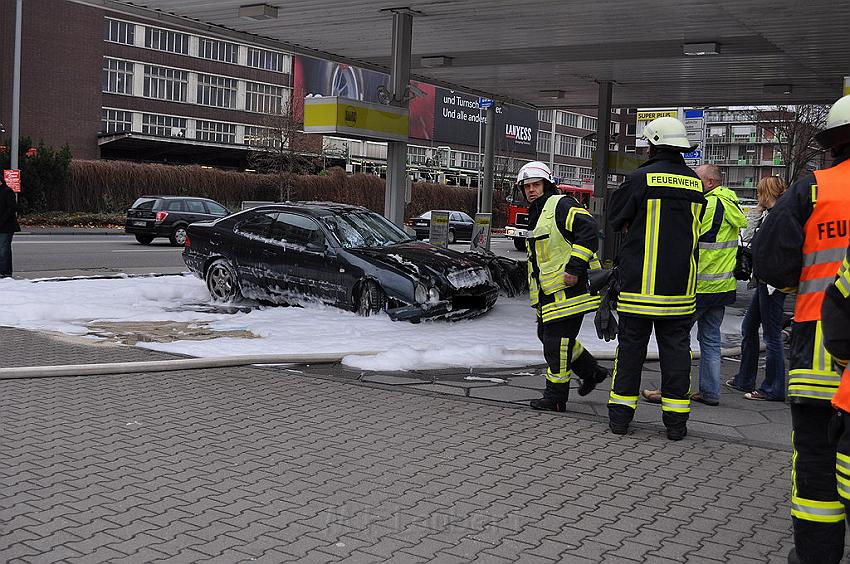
765 310
708 334
6 254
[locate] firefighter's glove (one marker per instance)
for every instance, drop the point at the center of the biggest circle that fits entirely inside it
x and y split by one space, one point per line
605 320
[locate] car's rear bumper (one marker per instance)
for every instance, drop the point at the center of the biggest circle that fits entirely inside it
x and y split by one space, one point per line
133 227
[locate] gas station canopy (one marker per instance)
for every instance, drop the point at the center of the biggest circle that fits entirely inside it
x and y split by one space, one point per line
553 53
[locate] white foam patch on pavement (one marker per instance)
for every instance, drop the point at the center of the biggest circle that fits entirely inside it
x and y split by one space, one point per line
506 336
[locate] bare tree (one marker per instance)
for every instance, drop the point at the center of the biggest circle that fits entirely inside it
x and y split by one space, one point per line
281 147
794 129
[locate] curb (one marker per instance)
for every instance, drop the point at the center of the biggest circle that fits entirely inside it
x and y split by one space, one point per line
74 370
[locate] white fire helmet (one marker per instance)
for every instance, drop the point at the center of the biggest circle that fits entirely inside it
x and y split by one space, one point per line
535 170
837 129
668 132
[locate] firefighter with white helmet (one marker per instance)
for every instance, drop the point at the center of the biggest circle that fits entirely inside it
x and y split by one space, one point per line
801 246
561 246
659 207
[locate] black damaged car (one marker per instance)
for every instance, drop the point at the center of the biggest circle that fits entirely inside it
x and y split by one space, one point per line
339 254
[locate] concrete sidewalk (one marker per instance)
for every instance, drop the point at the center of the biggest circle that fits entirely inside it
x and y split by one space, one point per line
326 464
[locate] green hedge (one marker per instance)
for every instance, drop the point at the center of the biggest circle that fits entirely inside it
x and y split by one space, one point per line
112 186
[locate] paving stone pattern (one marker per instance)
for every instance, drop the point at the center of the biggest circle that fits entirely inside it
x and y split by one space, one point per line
264 465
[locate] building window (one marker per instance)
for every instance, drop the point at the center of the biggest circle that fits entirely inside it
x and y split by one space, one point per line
215 131
545 115
568 119
216 50
265 98
117 76
166 84
216 91
565 172
115 121
589 123
631 129
267 60
585 173
262 137
587 148
614 147
469 161
416 155
153 124
631 148
566 145
120 32
544 142
165 40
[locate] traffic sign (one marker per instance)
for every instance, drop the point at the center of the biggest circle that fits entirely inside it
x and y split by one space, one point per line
693 162
693 155
485 102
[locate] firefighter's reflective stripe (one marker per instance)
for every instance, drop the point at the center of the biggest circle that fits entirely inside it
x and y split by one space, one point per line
567 357
583 253
667 180
675 405
811 509
650 245
820 381
843 280
842 474
628 401
696 210
819 511
655 305
721 245
717 276
565 307
824 256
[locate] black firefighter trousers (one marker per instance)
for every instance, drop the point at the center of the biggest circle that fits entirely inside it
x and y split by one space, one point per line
674 347
818 473
564 355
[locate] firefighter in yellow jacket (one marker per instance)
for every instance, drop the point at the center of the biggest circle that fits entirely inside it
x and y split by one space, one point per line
801 246
659 206
561 247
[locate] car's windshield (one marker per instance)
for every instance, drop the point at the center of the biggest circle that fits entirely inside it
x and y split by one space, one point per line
364 229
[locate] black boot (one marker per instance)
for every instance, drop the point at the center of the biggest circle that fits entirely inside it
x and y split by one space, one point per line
589 384
547 404
554 398
677 433
619 417
792 557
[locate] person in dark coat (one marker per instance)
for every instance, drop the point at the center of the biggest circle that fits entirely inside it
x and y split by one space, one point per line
8 227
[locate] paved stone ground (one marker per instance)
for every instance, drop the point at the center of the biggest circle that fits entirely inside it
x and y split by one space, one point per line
268 465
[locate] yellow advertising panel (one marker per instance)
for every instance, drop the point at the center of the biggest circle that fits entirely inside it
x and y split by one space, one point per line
342 116
651 115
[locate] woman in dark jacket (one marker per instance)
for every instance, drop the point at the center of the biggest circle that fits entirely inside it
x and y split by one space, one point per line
8 227
766 311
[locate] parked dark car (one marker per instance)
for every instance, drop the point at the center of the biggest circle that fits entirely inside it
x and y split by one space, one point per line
343 255
167 216
460 226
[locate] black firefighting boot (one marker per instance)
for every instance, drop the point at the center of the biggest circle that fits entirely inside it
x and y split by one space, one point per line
676 424
619 417
591 374
554 398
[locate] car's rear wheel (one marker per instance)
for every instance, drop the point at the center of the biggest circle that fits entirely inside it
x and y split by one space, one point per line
519 244
221 281
178 236
370 299
144 239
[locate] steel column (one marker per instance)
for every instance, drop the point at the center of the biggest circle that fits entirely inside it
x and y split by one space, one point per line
397 150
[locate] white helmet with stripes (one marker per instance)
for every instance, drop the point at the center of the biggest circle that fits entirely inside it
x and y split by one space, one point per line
535 170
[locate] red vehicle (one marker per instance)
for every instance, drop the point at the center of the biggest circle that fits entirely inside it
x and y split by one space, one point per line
517 226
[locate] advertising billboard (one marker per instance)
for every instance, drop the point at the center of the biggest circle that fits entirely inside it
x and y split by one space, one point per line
456 120
436 114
